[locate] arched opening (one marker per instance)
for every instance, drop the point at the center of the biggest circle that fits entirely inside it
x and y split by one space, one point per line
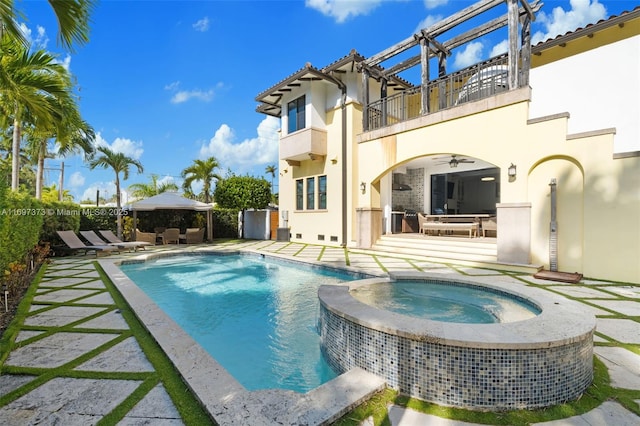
446 184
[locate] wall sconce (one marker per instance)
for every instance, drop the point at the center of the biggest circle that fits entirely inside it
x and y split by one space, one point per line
512 171
363 187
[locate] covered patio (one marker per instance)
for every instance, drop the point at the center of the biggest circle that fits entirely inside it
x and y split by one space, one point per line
173 201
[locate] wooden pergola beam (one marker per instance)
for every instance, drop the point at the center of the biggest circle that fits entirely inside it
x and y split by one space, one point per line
435 30
487 28
529 9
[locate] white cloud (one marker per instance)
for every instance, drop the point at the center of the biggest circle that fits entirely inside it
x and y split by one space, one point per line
202 25
75 180
126 146
341 10
262 149
66 62
185 95
41 39
166 179
432 4
181 96
427 22
559 21
107 189
172 86
471 54
499 48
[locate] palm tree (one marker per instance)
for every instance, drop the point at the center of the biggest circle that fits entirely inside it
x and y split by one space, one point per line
52 193
271 170
33 86
120 163
146 190
72 16
201 170
72 135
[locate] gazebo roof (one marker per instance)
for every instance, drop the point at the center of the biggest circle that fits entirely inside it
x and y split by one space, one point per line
169 201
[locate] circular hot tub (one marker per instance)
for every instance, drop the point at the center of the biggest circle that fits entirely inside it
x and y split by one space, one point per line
540 361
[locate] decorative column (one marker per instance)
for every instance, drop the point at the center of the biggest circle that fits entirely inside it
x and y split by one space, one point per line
514 233
369 226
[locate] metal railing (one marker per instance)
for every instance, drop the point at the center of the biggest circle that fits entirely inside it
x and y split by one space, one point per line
470 84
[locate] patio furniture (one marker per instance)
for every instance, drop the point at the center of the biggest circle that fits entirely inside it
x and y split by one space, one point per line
149 237
95 240
193 236
171 235
113 239
489 224
74 243
422 222
471 227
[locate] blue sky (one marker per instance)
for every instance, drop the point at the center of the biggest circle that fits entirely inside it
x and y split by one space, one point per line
168 82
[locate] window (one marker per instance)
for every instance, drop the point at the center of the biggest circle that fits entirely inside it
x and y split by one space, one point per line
299 194
306 193
296 114
311 193
322 192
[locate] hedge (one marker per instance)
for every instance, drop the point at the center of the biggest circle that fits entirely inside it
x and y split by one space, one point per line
225 223
21 218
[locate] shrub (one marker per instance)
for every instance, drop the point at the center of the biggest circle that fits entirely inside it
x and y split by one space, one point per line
97 218
59 216
21 218
225 223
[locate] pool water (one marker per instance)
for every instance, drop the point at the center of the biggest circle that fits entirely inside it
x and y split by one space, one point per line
445 302
256 317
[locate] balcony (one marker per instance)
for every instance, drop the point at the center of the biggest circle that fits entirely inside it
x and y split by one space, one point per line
305 144
477 82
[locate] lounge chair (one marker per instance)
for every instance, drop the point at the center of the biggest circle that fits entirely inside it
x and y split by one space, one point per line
75 244
113 239
95 240
171 235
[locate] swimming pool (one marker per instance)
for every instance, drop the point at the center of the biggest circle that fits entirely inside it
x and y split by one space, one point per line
256 317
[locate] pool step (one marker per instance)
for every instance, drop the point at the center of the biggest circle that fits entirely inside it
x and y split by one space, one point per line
327 403
454 248
478 252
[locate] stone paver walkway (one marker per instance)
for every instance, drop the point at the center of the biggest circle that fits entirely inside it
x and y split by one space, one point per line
76 361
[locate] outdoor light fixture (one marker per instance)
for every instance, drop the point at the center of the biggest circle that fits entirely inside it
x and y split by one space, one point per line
512 171
363 187
487 178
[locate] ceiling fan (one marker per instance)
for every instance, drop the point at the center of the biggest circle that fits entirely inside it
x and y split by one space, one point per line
454 161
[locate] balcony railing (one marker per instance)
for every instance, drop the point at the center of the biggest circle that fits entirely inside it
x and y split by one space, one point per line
476 82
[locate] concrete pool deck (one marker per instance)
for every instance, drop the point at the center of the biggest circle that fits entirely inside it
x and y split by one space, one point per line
87 388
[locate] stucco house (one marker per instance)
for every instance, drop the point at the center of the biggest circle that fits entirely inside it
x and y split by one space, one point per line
542 144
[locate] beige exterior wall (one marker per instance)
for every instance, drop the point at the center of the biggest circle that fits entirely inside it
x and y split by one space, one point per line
307 225
598 193
598 210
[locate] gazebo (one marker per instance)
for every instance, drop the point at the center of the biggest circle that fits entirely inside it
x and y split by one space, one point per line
173 201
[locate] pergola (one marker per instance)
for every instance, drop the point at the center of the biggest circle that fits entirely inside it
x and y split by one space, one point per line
173 201
518 61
